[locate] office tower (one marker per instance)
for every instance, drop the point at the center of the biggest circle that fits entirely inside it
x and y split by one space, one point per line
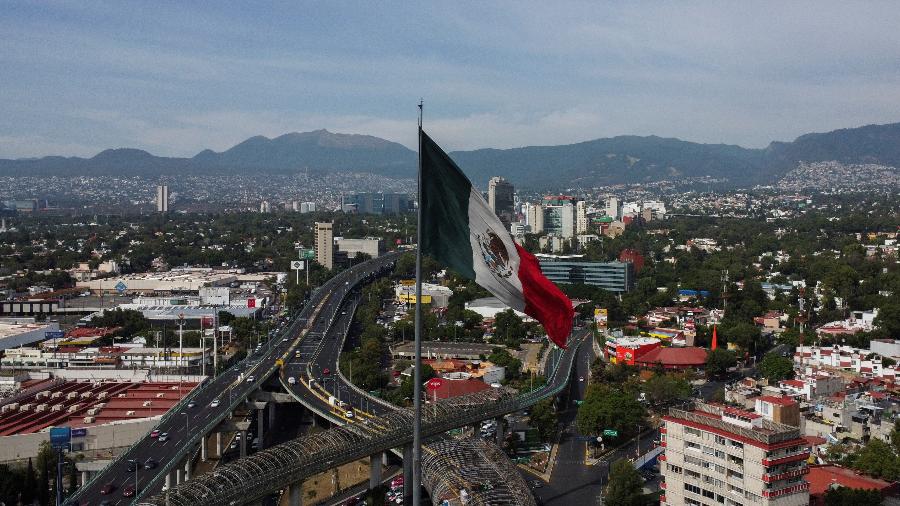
581 222
325 244
559 216
265 207
162 199
613 207
376 203
501 198
534 217
307 207
720 455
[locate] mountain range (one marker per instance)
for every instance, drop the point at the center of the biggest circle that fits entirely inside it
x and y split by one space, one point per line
622 159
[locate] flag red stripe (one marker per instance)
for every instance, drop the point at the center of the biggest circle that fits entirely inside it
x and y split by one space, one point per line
544 301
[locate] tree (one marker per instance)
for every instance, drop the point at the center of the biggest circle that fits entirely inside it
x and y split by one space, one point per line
662 389
718 361
610 407
844 496
625 485
775 367
888 318
876 458
543 418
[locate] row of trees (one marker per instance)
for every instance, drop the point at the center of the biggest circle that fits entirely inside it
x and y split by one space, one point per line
35 482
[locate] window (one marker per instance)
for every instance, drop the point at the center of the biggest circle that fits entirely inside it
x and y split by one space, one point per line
737 444
709 450
674 469
707 493
720 469
690 445
692 501
692 431
720 440
720 454
692 488
692 474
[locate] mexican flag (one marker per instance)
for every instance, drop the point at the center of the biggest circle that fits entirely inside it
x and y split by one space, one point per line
461 231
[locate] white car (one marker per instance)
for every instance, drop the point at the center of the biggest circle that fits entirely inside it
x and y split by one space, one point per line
251 379
292 380
214 404
349 414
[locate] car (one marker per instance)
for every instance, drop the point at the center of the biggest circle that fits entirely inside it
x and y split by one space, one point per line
536 484
150 464
191 404
128 490
105 502
154 433
349 413
292 380
108 488
326 371
233 445
214 403
284 340
251 379
581 378
163 437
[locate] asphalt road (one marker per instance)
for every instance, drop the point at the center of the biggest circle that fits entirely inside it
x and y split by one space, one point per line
229 388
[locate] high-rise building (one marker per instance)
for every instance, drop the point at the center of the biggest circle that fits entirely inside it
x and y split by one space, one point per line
162 199
613 207
307 207
720 455
559 216
501 198
614 277
265 207
534 218
325 244
581 221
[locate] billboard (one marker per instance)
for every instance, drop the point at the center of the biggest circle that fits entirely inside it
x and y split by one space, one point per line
79 432
307 254
60 437
601 317
408 282
251 302
410 298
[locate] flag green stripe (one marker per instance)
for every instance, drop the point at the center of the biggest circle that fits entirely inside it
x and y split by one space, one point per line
445 210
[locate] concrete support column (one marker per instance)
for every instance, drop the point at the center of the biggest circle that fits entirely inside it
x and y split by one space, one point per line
187 468
500 431
85 477
260 425
375 470
407 475
179 476
168 481
243 443
272 415
219 449
203 449
295 496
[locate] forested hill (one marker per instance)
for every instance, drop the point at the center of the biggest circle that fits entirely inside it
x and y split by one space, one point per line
623 159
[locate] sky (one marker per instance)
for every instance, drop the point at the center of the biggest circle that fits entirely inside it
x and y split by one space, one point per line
175 78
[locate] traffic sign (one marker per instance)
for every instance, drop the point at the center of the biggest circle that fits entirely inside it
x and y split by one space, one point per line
54 334
297 265
121 287
610 433
307 254
434 383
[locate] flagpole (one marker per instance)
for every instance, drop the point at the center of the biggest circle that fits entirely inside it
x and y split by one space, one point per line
417 373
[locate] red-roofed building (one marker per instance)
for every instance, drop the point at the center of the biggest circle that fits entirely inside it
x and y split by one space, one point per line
456 388
762 462
689 357
822 477
779 409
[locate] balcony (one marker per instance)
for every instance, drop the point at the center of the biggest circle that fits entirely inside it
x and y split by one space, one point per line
662 430
793 473
794 457
793 489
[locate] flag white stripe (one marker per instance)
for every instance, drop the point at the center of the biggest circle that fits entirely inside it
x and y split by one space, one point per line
481 220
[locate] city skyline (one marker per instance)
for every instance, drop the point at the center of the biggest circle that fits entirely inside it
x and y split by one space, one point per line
180 79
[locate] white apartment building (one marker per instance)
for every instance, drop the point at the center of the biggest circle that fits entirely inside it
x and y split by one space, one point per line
325 244
843 357
715 455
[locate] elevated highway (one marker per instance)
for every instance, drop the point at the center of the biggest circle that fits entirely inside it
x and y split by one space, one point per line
201 412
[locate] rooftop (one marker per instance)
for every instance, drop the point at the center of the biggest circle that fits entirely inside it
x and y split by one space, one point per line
821 477
675 357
